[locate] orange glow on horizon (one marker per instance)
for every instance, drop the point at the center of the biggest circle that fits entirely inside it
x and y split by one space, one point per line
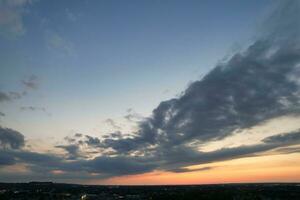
270 168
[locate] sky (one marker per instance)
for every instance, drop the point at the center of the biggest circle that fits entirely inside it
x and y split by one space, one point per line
149 92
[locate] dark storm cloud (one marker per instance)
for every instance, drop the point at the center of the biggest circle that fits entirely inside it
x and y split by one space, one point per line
10 139
40 159
255 85
114 166
183 157
92 141
122 145
6 159
248 90
106 166
73 150
11 150
174 160
293 137
78 135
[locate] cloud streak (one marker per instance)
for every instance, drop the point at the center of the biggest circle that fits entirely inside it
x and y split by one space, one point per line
106 166
56 42
30 83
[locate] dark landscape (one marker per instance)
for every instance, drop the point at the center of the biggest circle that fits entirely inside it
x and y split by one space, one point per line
49 190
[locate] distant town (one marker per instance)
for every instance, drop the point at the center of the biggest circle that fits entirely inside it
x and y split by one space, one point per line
59 191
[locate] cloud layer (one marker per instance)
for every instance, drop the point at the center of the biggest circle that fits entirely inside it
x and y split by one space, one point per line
11 139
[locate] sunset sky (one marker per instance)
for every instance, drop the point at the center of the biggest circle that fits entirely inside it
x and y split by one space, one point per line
149 91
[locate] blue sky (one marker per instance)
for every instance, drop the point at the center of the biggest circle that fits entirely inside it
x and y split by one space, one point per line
96 59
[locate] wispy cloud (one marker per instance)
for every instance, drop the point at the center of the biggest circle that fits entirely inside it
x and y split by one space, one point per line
55 41
9 96
133 116
34 109
11 17
112 124
32 82
70 15
4 97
